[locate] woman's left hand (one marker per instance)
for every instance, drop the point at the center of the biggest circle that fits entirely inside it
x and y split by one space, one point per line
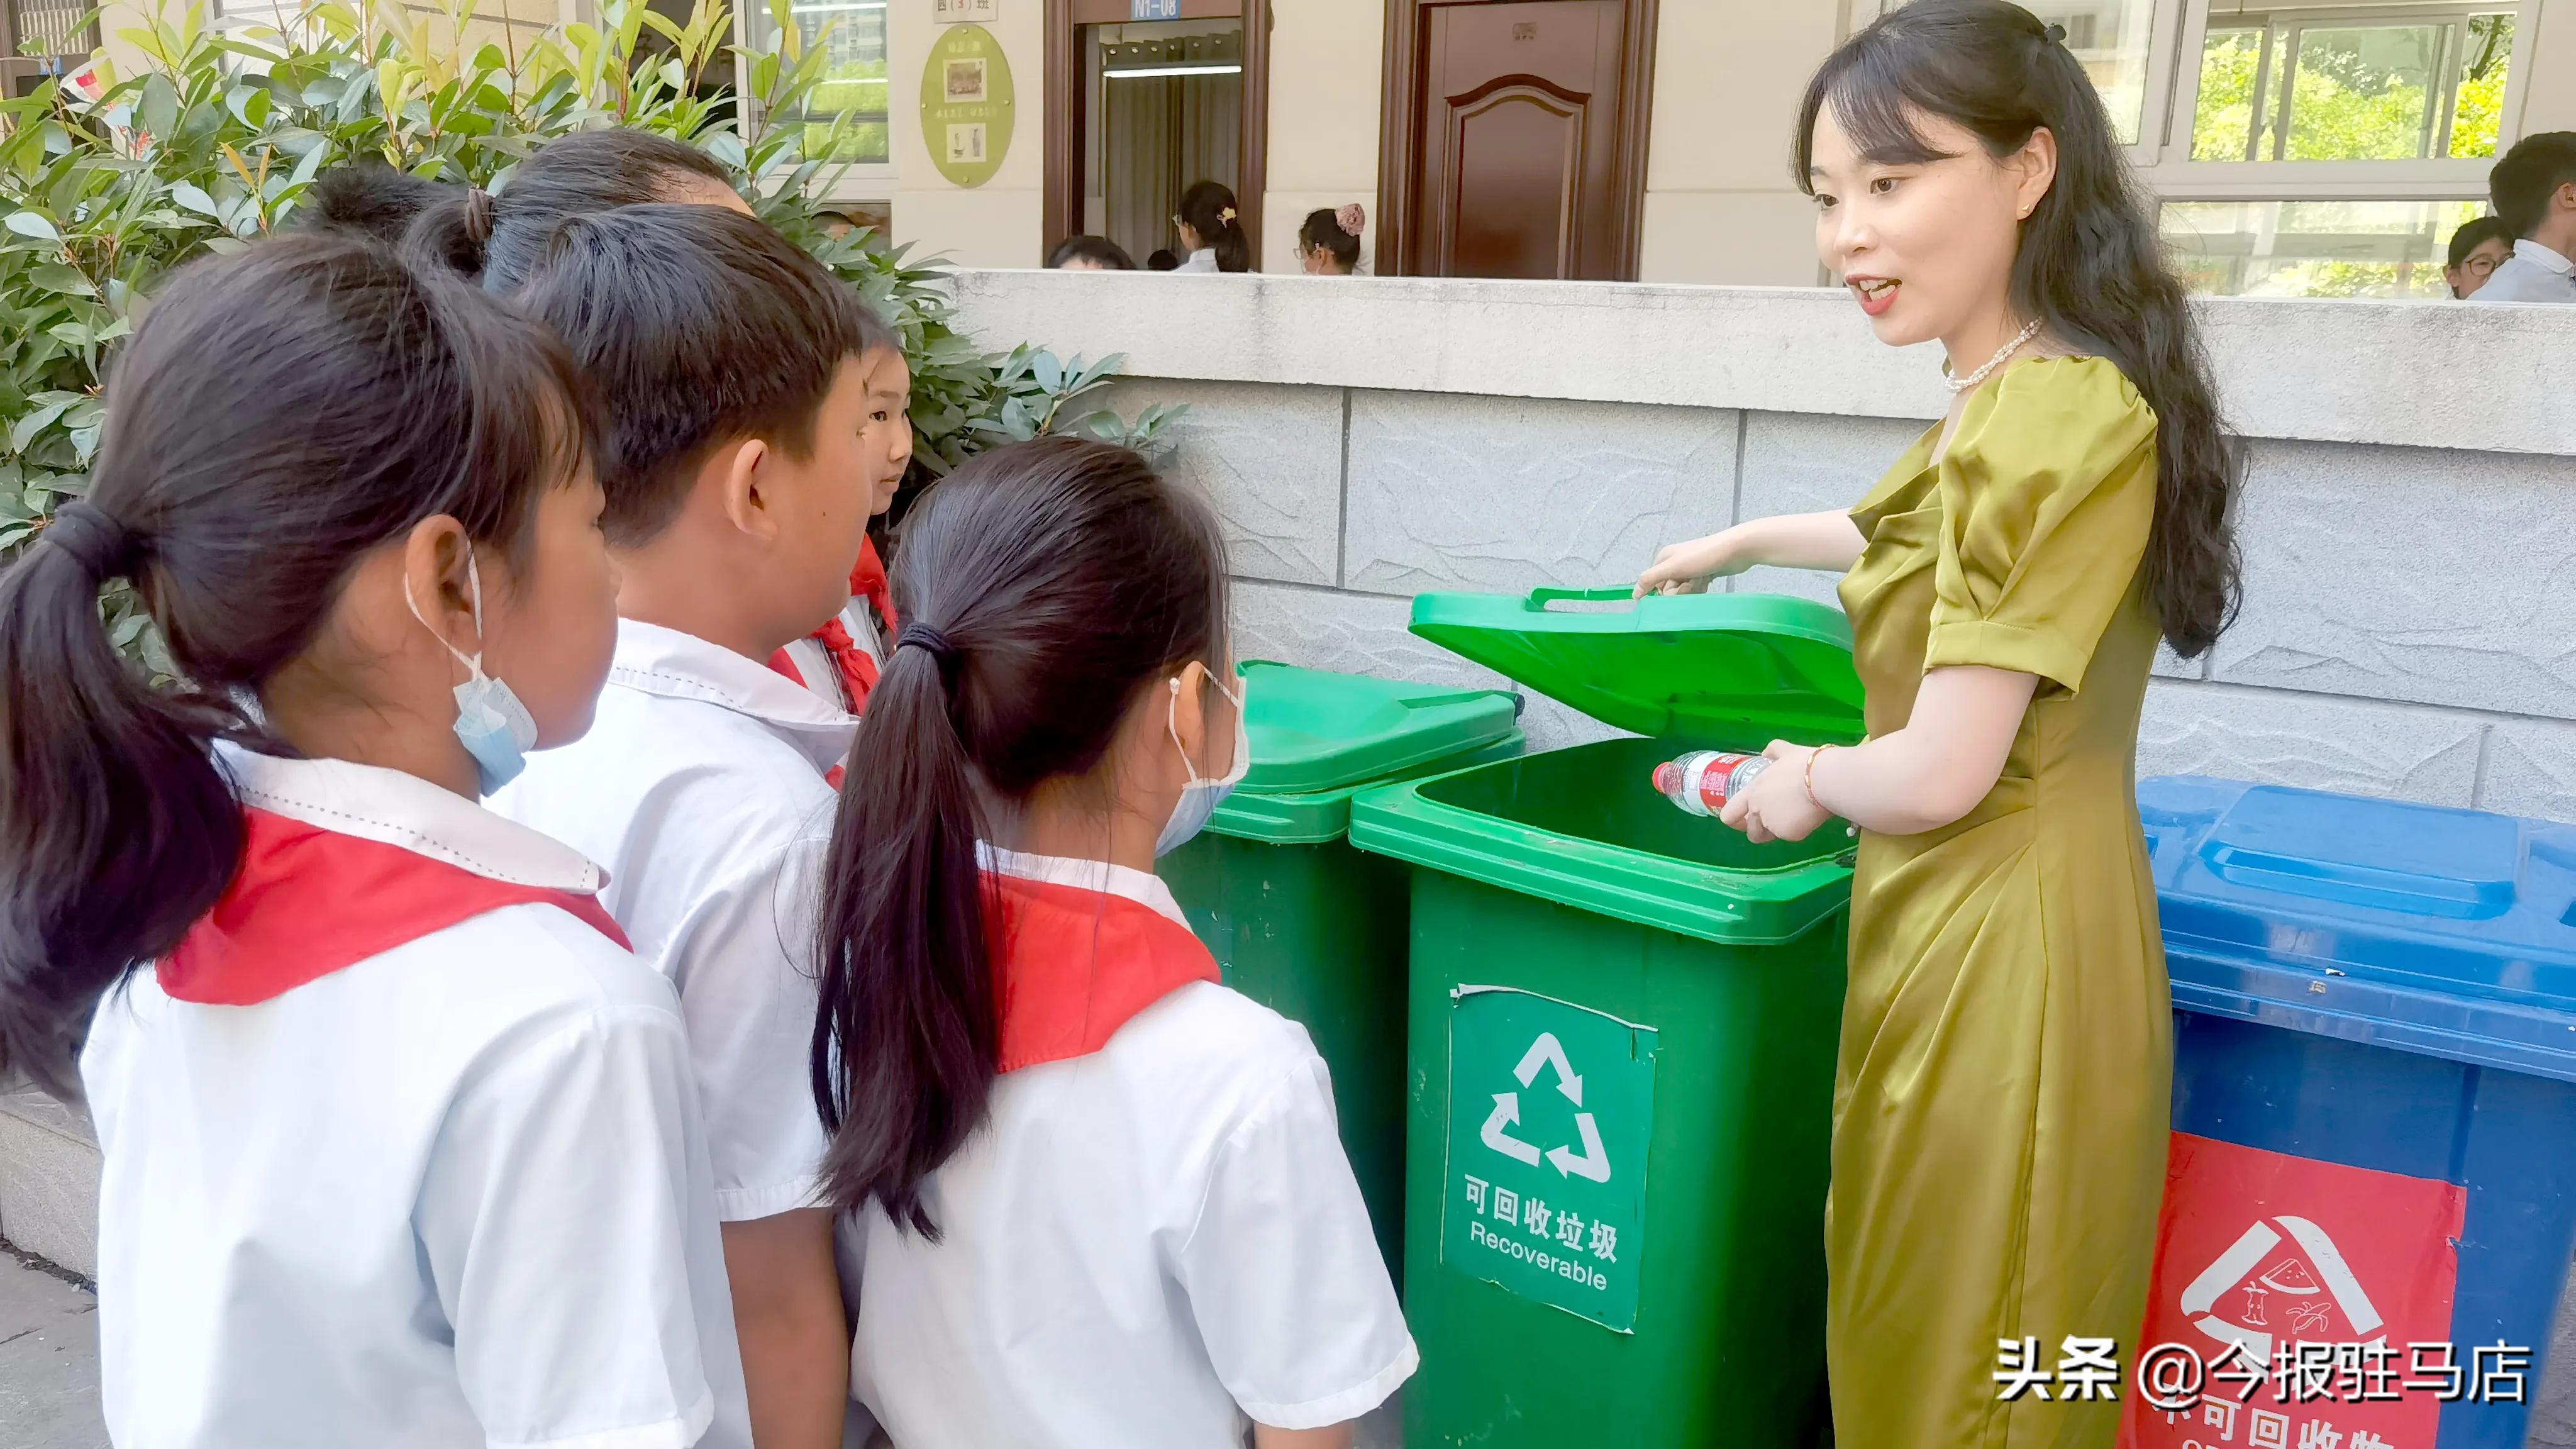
1775 806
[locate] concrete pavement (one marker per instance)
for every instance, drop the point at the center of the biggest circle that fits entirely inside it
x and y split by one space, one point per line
48 1359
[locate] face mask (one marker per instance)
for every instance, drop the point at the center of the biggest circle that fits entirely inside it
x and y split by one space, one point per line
1201 796
493 726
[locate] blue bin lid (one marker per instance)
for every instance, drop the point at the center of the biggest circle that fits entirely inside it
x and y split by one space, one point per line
2446 932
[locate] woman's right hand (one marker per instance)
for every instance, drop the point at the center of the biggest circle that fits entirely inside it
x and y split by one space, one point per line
1687 568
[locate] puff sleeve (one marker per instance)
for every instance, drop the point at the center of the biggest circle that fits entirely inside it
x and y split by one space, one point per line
2047 492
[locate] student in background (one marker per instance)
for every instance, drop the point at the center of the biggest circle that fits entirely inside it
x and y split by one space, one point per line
2477 249
2534 191
1211 231
755 422
1089 254
1102 1197
401 1142
1162 261
1328 245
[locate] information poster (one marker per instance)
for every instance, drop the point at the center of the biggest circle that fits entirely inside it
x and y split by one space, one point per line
966 105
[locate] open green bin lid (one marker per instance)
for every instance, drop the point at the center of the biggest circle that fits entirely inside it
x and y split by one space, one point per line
1313 730
1704 667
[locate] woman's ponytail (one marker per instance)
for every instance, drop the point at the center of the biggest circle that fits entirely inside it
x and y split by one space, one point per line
116 832
1044 587
907 1035
454 234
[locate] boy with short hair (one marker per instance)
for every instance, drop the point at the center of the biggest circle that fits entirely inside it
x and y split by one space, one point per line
2534 190
756 419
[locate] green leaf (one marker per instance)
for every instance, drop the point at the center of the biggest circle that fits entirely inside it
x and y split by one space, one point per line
63 278
24 431
28 223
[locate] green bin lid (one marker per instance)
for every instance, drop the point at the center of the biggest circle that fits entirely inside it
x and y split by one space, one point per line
1704 666
1315 730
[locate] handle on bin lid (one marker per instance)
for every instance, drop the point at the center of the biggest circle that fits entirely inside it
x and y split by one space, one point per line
1539 599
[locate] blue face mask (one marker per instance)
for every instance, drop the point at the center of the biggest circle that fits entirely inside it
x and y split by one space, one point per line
1201 796
495 728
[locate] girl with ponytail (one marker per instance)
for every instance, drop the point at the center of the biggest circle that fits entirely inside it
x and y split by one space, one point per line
1211 230
400 1141
2000 1108
1100 1198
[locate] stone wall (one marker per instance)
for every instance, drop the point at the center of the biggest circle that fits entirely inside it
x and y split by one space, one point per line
2408 524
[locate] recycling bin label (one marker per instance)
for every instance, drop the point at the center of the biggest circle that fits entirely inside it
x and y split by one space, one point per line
1551 1106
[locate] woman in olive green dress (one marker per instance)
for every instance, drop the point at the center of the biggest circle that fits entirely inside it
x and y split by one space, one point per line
2000 1105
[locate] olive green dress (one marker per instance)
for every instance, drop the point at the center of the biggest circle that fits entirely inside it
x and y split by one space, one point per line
2000 1105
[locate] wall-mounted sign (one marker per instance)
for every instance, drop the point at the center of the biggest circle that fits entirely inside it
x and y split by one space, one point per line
966 105
1154 9
964 12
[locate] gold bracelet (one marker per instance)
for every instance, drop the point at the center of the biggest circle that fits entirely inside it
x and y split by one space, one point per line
1818 754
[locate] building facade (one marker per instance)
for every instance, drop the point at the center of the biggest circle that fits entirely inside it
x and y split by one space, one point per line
2306 147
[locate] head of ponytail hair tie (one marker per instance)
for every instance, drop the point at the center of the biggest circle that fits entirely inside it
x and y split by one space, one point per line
1226 215
478 214
928 639
2056 33
104 548
1352 219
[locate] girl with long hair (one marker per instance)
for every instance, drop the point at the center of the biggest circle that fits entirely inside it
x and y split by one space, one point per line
1100 1197
1211 230
2001 1100
401 1142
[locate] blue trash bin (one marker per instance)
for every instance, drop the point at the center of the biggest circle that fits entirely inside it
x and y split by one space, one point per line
2392 987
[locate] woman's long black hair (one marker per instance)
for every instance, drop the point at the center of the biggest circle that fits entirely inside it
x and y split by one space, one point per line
1044 587
2090 267
1208 207
278 415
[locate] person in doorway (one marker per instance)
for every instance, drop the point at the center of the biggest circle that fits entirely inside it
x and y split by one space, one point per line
1102 1197
2002 1092
401 1143
1328 245
2534 191
1089 254
1211 231
754 423
2477 249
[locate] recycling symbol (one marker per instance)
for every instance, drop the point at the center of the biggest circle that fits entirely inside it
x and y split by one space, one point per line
2233 1299
1593 1163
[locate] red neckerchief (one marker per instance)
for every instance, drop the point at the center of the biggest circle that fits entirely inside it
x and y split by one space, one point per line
309 901
1075 964
858 671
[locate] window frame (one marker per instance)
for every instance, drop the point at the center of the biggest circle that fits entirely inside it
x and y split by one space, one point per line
846 182
2173 175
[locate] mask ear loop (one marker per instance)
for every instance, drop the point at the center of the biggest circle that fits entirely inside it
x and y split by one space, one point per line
1172 724
474 581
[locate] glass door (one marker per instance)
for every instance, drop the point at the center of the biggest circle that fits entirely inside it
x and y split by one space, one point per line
1164 110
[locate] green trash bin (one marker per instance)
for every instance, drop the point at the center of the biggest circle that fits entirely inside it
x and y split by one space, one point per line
1622 1035
1309 927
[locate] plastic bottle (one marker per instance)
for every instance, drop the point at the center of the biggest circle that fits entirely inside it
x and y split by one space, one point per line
1702 781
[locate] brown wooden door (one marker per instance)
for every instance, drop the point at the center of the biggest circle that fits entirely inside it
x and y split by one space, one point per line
1520 171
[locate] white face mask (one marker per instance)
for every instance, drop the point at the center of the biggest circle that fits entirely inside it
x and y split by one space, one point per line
495 728
1201 796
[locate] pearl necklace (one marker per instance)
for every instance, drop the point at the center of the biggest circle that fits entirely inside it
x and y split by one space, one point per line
2020 340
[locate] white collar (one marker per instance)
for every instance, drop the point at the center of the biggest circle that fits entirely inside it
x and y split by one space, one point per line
1142 887
370 802
2538 255
665 662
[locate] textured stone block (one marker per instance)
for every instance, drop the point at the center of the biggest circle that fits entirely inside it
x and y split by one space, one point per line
2531 770
49 1167
1502 495
1812 463
1365 634
2397 751
2405 573
1269 458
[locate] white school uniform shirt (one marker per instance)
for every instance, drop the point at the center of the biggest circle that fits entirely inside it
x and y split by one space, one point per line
1202 260
1143 1247
454 1194
2534 273
700 788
